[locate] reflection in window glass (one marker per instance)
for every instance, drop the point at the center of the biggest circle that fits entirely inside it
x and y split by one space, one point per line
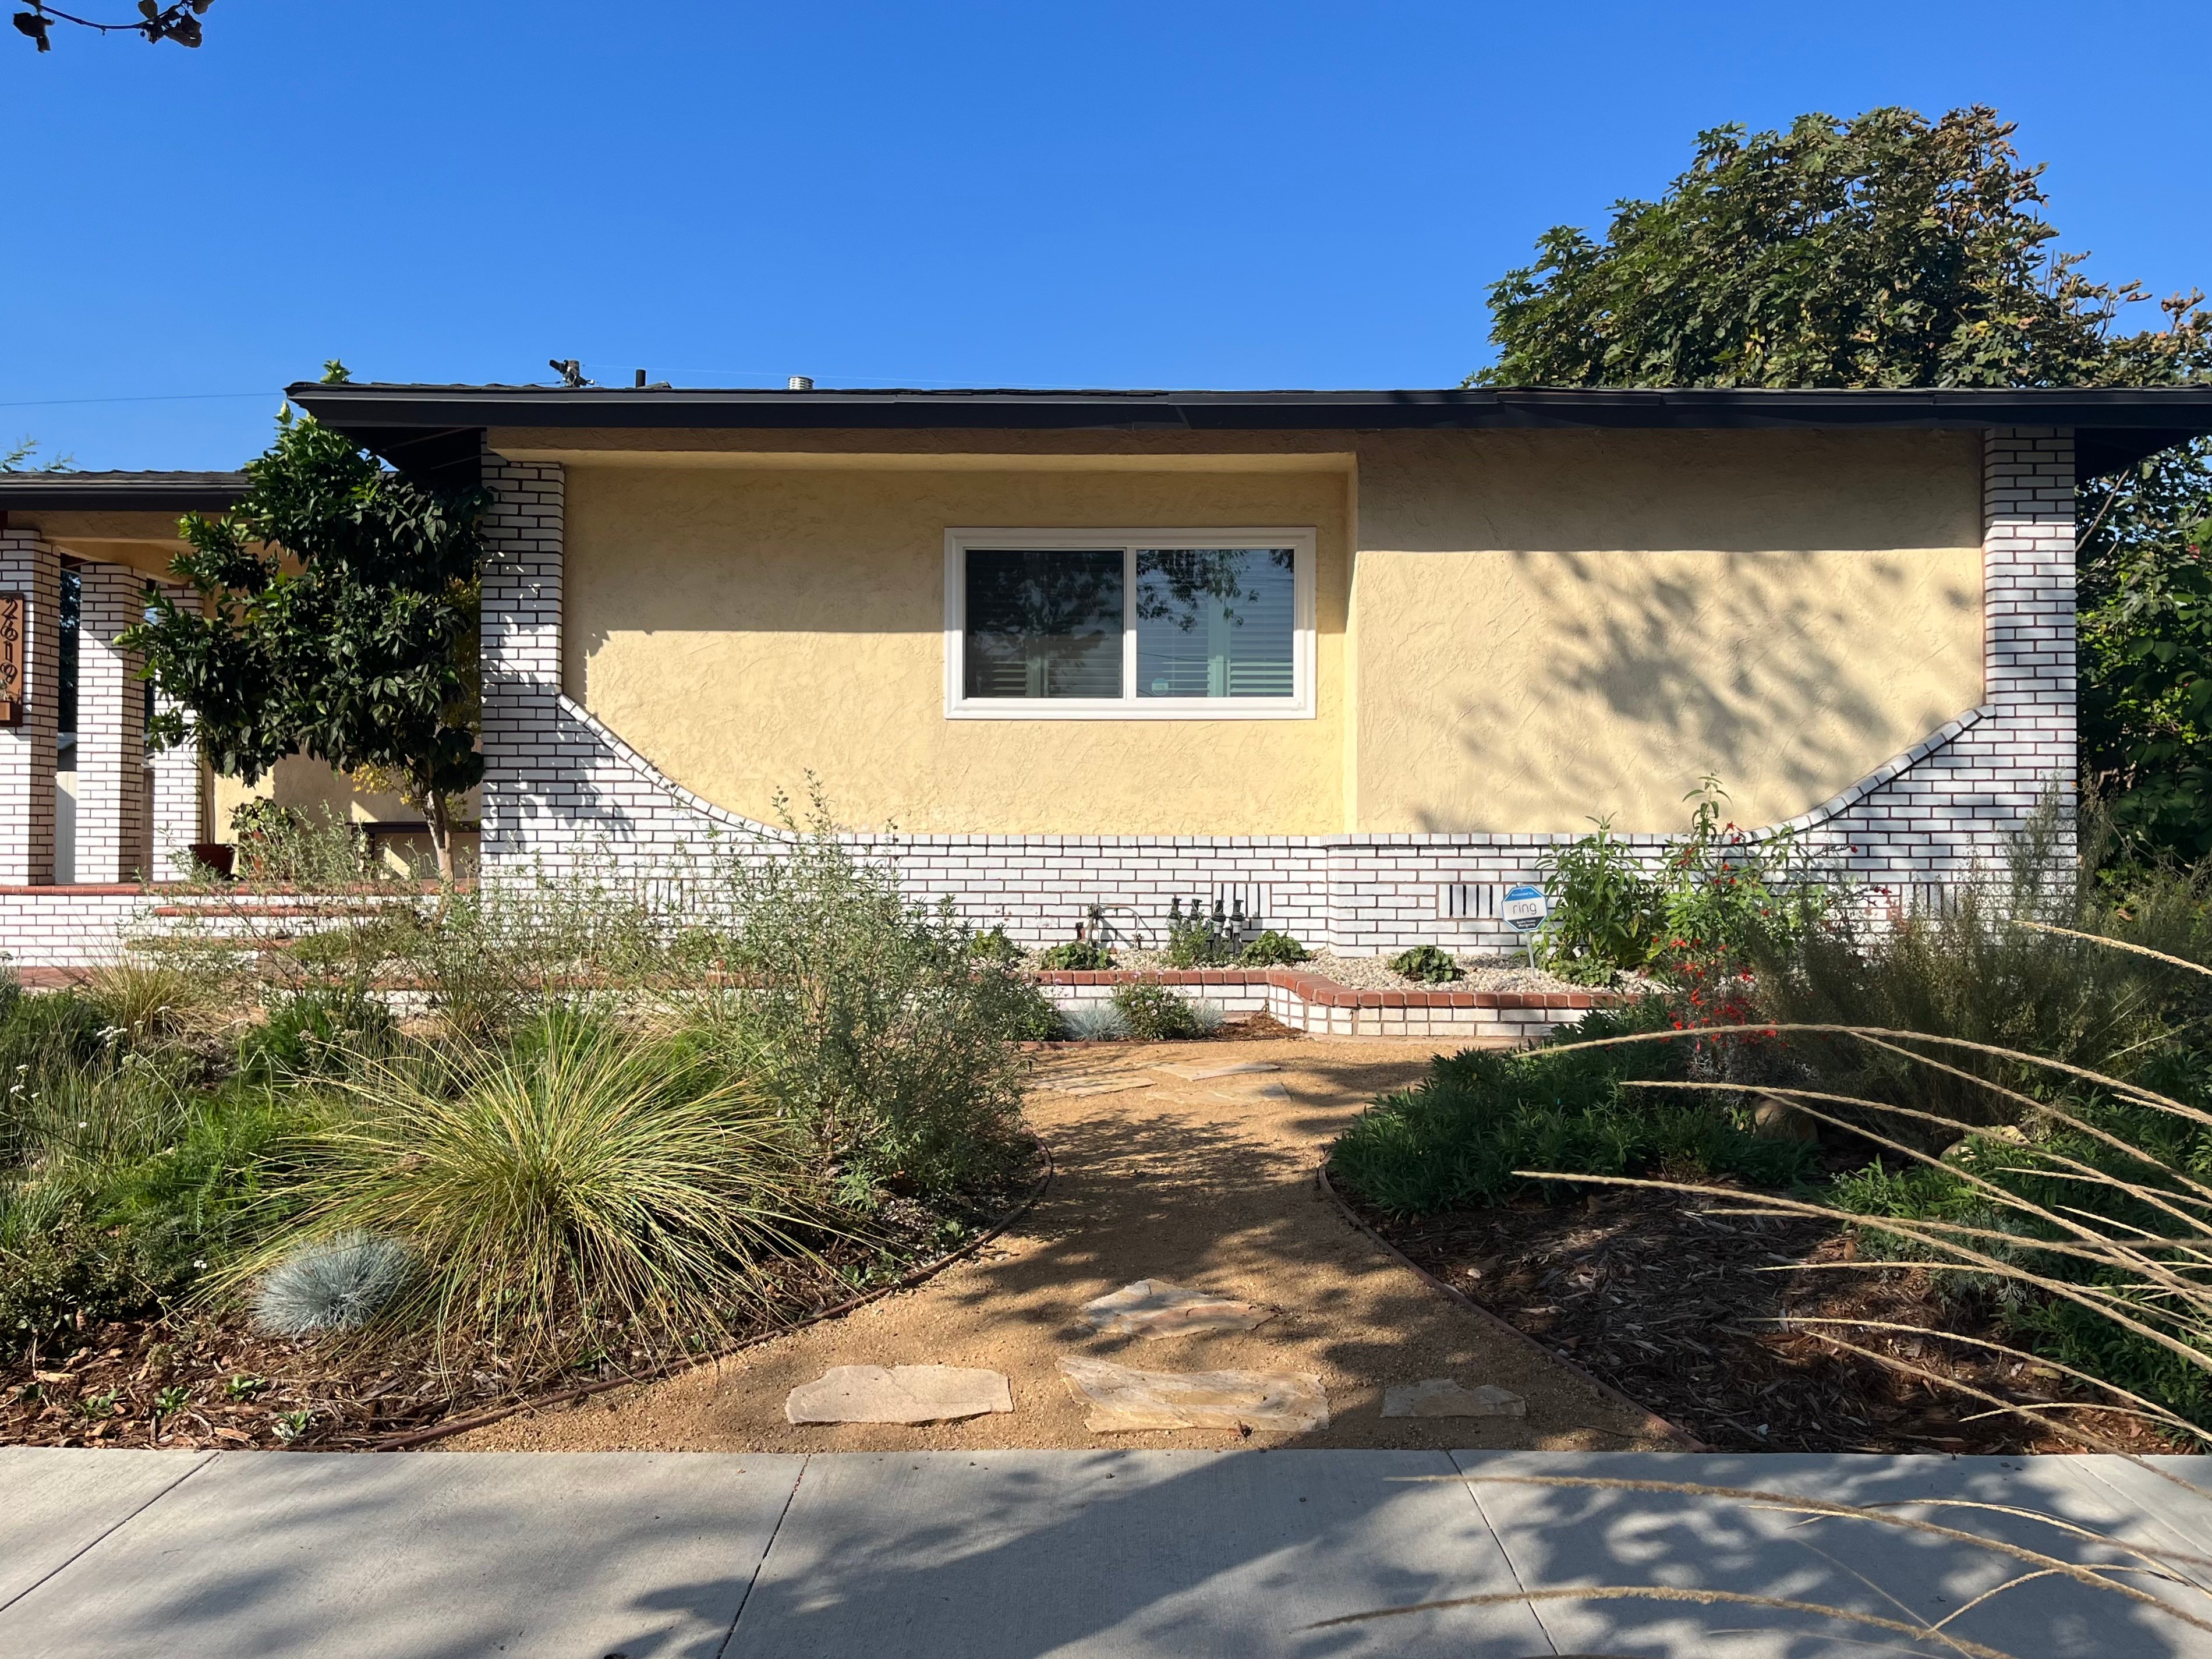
1044 623
1215 621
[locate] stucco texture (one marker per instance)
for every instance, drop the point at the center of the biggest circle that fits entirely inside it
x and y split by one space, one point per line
1554 625
1536 627
744 627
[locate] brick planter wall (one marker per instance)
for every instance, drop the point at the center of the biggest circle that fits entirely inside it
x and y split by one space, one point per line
563 792
1308 1002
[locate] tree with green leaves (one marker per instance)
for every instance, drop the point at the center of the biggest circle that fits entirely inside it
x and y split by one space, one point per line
336 617
1889 250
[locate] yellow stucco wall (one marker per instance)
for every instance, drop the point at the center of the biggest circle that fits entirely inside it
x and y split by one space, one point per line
1536 628
742 627
1553 625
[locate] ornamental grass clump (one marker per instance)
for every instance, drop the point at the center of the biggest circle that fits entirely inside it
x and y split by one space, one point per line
582 1172
338 1284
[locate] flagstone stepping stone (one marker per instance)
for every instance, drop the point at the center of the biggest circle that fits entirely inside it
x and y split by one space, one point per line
1122 1400
1264 1092
905 1394
1152 1307
1200 1073
1101 1085
1441 1396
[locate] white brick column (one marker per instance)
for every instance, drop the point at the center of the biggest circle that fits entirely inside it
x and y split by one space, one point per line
2027 611
111 727
29 566
180 806
520 643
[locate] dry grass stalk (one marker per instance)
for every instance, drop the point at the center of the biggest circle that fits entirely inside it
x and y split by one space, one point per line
2164 1566
2160 1283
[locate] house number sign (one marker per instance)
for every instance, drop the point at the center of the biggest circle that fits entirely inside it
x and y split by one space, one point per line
12 620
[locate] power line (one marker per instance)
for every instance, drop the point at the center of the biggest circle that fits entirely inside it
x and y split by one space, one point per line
156 397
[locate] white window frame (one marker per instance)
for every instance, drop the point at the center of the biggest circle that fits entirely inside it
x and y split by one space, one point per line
958 706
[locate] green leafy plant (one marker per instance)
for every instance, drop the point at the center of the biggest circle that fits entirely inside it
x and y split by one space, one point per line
992 945
1607 911
168 1401
244 1387
1080 955
1196 940
311 1032
334 614
1153 1013
1462 1137
1273 950
1425 963
870 1020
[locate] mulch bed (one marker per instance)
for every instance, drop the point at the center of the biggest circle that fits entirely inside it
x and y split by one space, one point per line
179 1382
1661 1297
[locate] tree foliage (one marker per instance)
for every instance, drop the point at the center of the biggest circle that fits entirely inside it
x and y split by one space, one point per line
2146 646
337 617
1887 250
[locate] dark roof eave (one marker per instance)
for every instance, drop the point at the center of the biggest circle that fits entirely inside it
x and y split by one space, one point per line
2188 408
120 492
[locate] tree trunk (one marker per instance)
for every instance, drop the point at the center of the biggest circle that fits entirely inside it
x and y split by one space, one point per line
438 815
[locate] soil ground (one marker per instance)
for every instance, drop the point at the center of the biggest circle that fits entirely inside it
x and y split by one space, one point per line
1206 1182
1667 1300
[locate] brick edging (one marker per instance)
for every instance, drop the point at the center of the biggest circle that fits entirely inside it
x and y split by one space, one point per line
1653 1421
1332 993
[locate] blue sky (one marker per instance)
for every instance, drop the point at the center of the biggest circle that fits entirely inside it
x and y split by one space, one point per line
1200 193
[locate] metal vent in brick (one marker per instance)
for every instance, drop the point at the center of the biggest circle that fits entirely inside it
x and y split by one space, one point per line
1467 901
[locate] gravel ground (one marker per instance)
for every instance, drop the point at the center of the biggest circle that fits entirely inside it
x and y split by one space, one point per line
1476 973
1206 1182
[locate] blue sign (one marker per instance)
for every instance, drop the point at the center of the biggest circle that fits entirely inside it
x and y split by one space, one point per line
1524 908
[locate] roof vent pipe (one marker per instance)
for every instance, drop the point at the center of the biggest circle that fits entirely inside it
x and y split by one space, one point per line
802 383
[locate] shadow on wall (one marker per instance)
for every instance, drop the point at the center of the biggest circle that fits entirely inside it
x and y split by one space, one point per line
1617 682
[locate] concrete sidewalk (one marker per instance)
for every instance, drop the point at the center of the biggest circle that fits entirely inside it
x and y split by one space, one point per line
992 1555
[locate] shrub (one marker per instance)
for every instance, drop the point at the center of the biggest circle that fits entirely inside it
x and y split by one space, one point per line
1456 1138
338 1284
583 1172
871 1021
1606 911
1962 966
1427 963
132 1188
310 1032
1193 941
1273 950
1153 1013
1080 955
992 945
1095 1021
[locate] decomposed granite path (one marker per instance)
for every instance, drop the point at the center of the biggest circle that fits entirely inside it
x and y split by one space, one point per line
1205 1182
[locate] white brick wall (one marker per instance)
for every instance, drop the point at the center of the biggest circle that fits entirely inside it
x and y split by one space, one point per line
28 566
111 729
179 807
563 792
